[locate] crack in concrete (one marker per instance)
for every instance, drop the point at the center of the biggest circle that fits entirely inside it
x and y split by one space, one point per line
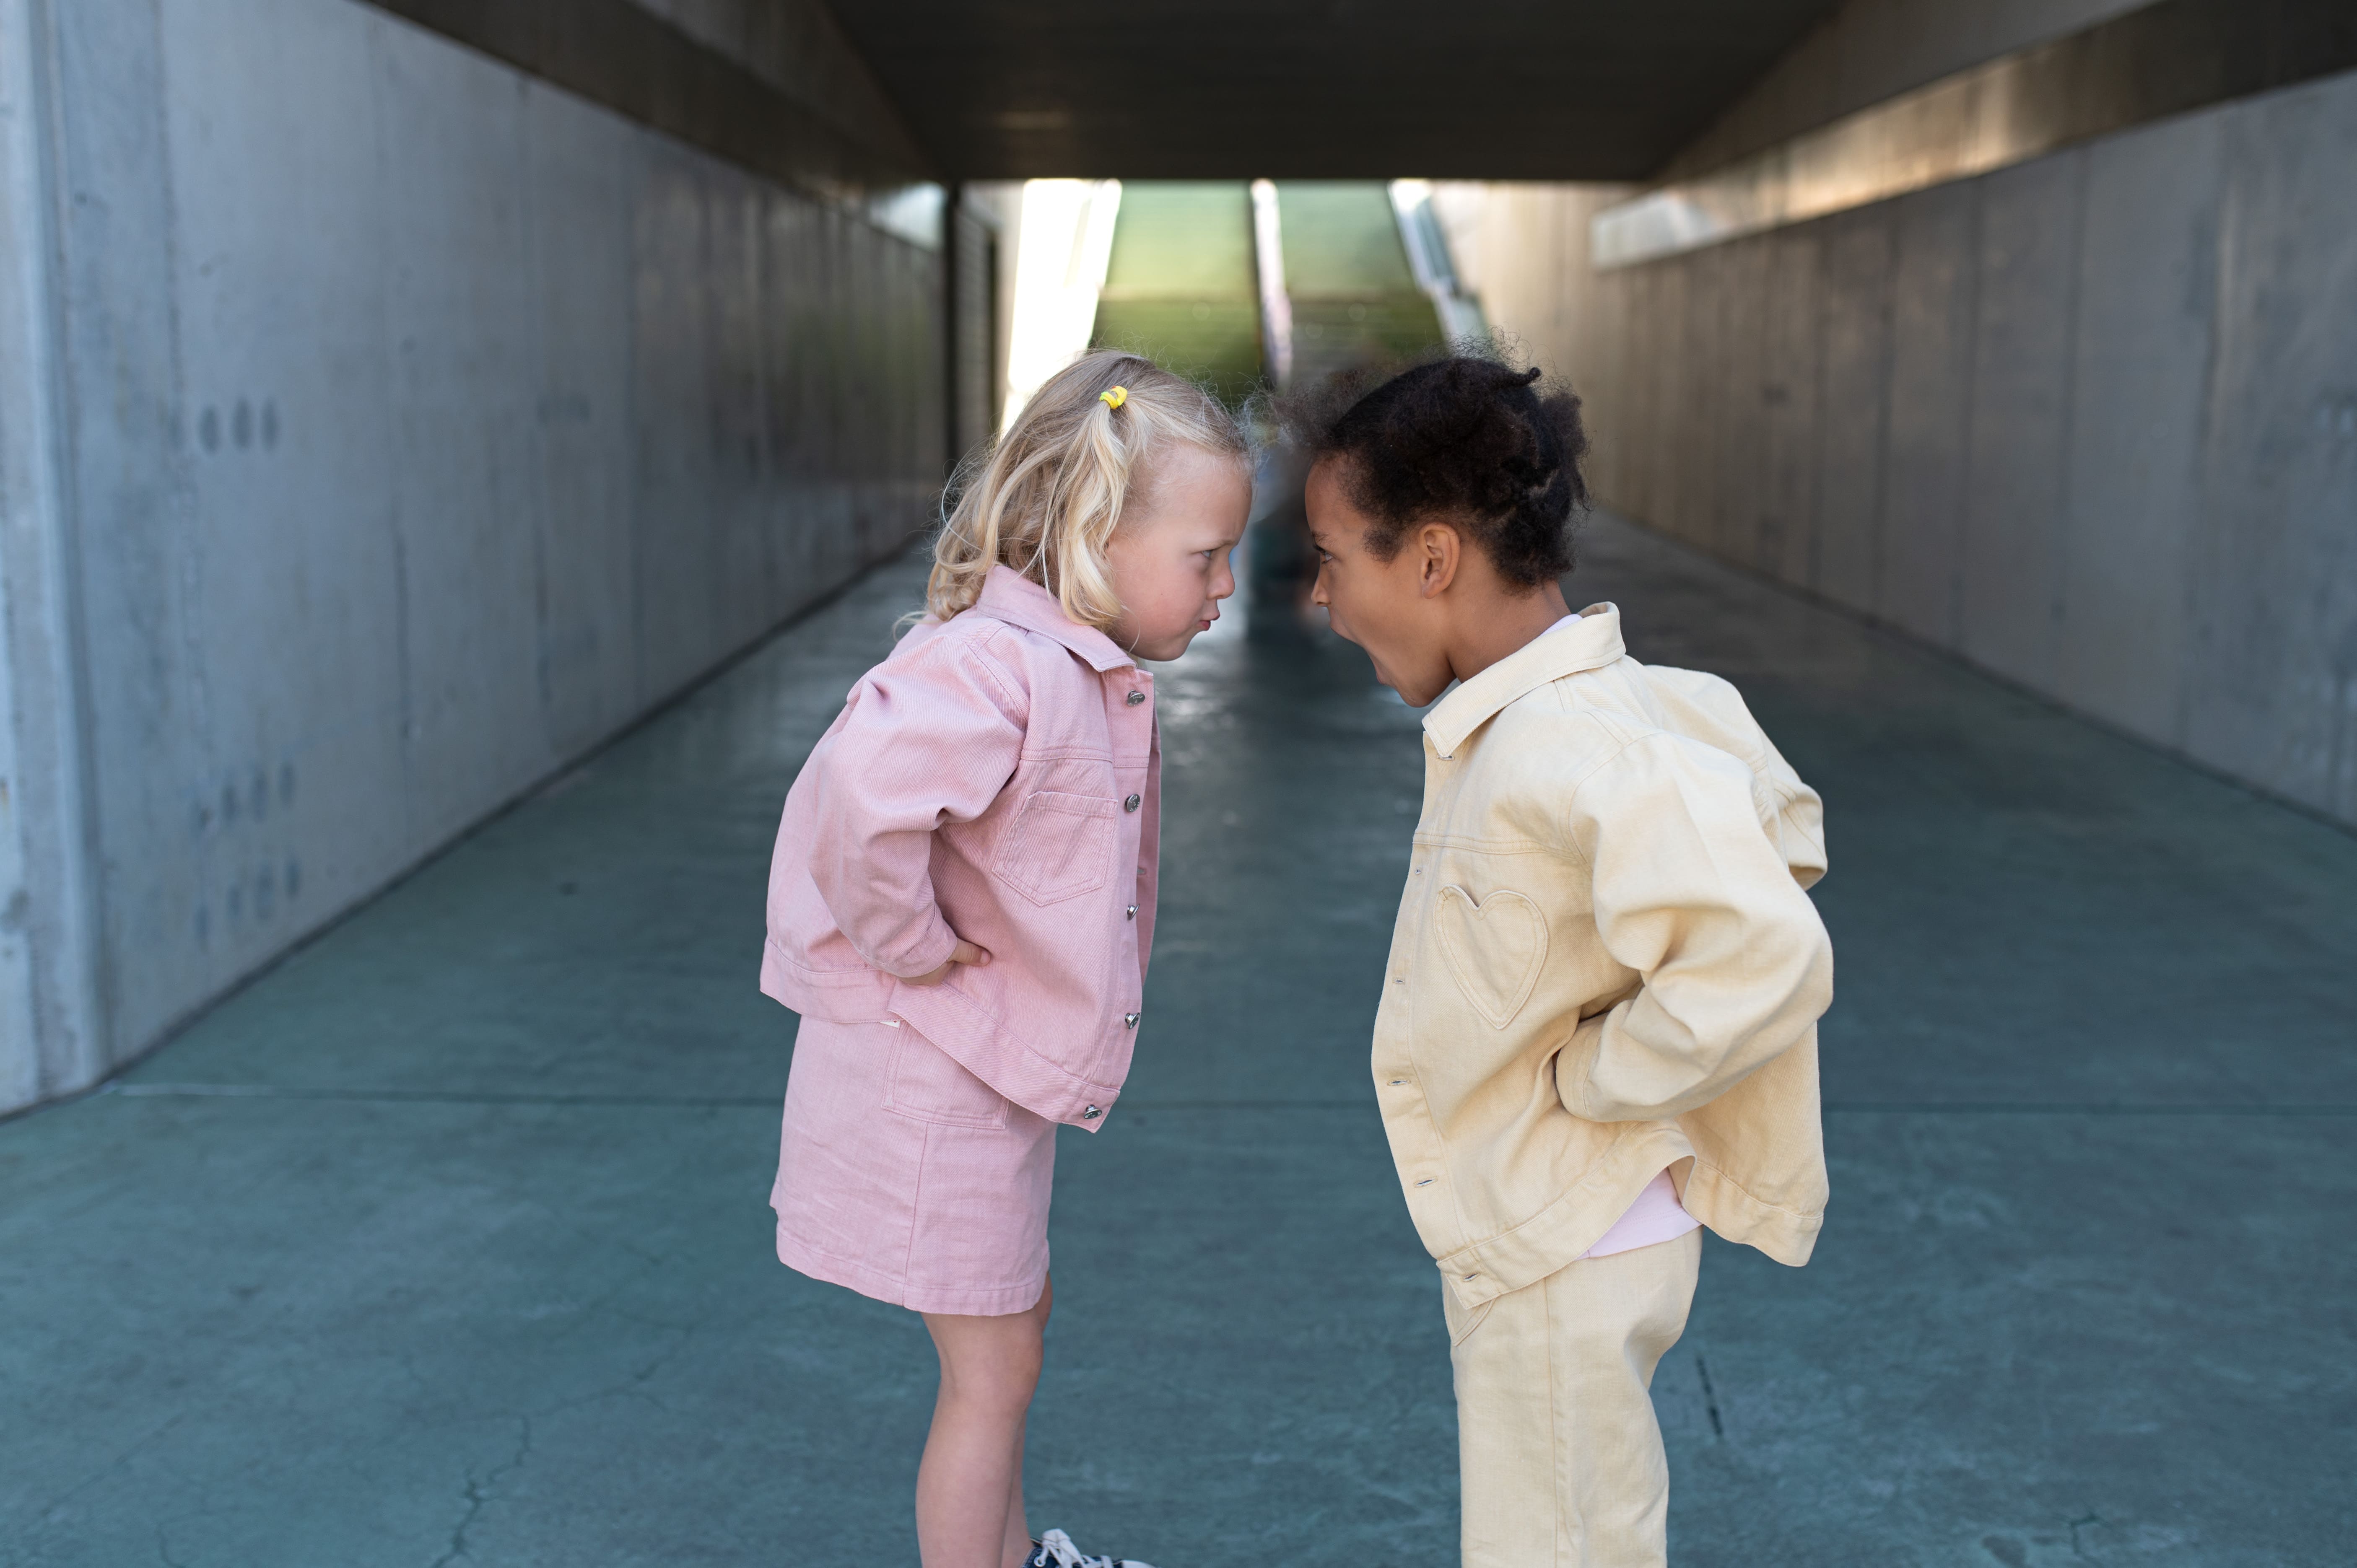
479 1493
121 1459
633 1384
597 1305
662 1358
1710 1400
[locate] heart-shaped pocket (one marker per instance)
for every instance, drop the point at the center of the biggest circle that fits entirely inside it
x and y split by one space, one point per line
1494 949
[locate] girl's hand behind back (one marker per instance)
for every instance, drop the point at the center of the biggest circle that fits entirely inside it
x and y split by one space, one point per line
965 953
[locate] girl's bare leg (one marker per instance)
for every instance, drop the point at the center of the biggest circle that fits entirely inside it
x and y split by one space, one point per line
1017 1549
969 1483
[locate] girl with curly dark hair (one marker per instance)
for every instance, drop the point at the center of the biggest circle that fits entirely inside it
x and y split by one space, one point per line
1599 1022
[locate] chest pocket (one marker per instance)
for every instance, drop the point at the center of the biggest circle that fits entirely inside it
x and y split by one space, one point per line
1060 847
1494 949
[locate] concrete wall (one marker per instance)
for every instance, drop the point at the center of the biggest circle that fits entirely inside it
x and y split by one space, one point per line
2090 421
1869 50
379 430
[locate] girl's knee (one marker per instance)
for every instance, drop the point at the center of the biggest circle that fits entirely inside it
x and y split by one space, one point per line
1002 1388
990 1361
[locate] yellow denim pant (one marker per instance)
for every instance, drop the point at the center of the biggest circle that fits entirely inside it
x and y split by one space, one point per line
1559 1455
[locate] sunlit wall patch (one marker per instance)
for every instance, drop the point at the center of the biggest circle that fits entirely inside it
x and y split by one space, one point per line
2167 58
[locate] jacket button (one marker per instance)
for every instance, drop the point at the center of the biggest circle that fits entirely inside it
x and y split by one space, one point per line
1132 914
1090 1114
1133 802
1134 698
1130 1019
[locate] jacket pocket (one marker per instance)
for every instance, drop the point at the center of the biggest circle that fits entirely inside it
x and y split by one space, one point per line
1060 846
929 1085
1494 949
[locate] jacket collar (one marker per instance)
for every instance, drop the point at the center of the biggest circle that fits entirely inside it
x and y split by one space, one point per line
1009 595
1592 645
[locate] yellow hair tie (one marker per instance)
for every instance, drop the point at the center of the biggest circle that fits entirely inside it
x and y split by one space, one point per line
1115 398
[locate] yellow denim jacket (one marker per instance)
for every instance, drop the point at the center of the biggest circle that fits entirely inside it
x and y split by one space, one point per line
1604 965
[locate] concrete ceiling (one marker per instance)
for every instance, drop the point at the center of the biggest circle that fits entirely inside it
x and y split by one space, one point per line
1307 89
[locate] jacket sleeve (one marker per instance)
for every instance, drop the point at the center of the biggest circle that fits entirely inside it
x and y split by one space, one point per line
1690 892
929 739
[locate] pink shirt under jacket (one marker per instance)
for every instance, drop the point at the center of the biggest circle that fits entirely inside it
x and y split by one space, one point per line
998 779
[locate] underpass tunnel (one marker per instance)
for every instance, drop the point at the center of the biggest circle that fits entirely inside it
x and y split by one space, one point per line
454 459
1182 284
1255 288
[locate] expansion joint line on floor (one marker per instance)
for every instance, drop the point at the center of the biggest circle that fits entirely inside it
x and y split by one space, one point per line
2070 1108
433 1096
768 1102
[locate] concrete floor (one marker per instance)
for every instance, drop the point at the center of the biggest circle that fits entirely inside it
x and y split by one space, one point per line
446 1240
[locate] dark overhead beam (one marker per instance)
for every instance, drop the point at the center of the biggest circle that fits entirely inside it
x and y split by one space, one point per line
1337 89
631 61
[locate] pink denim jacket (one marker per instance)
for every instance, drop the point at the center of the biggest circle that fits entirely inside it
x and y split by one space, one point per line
997 777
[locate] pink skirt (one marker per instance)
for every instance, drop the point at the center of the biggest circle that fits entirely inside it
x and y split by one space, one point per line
907 1178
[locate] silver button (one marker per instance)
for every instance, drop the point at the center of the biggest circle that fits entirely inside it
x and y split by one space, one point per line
1398 1081
1417 872
1133 912
1130 1019
1091 1113
1134 698
1132 803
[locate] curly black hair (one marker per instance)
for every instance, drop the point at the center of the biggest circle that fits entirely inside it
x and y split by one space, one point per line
1465 438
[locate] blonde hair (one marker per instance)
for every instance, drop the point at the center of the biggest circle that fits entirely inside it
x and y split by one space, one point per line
1045 498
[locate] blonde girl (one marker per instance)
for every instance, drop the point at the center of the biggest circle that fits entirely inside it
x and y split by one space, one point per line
962 901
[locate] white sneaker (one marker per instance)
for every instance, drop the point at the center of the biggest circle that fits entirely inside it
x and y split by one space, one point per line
1055 1550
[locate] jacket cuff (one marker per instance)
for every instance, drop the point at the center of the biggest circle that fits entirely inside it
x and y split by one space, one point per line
1576 1061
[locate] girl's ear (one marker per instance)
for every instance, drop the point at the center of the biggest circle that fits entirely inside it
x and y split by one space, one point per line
1439 549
